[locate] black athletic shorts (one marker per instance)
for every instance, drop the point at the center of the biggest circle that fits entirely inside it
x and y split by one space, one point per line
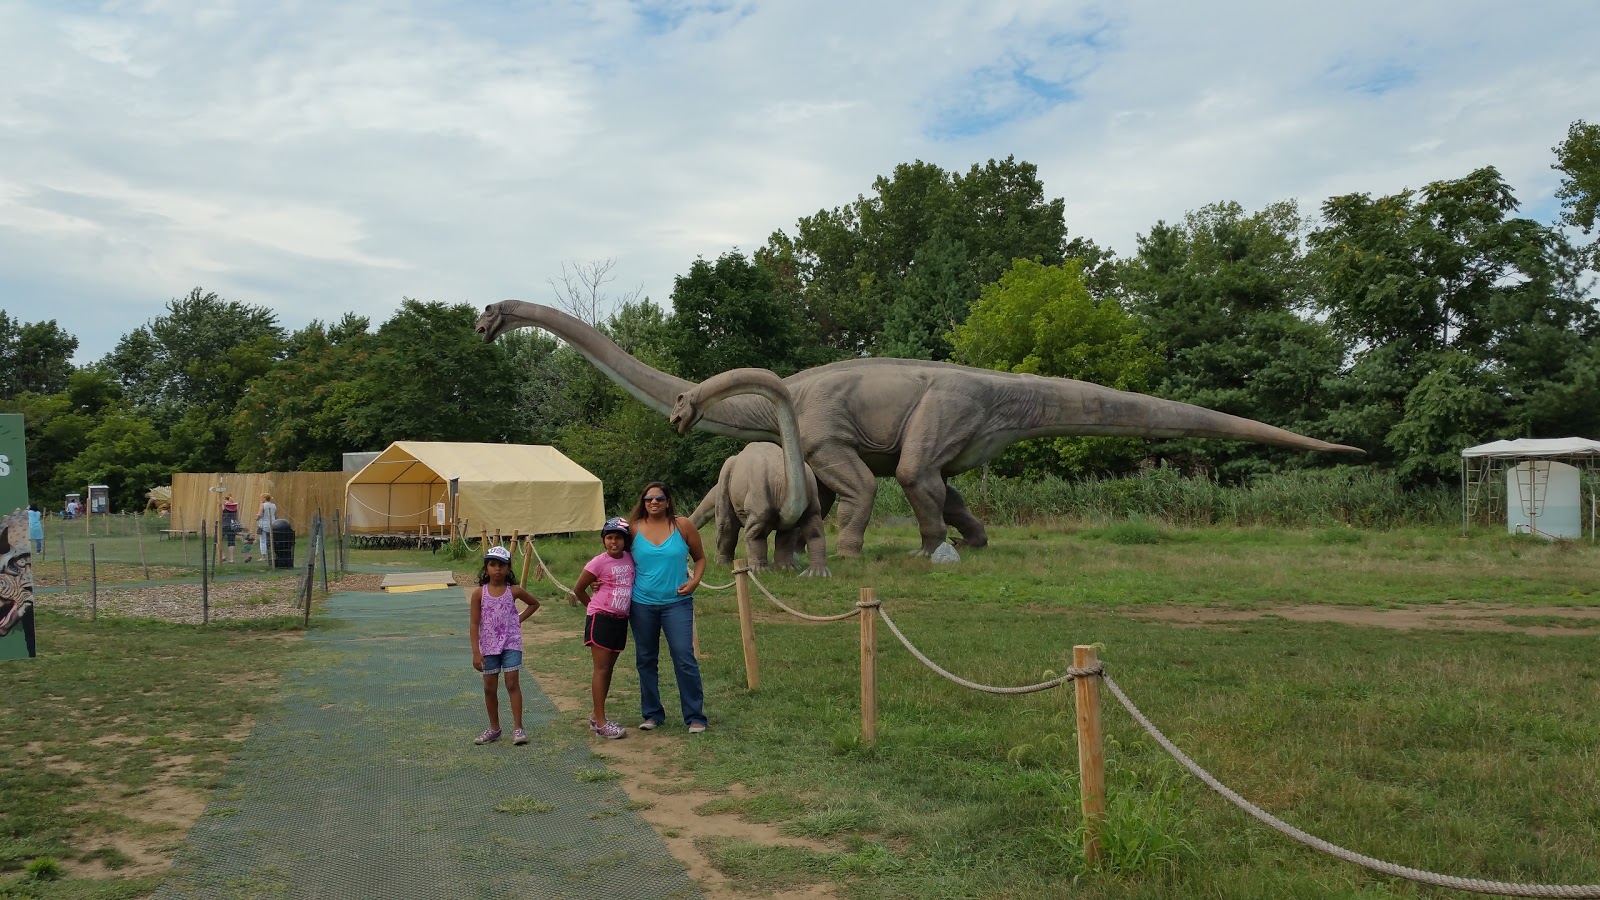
605 632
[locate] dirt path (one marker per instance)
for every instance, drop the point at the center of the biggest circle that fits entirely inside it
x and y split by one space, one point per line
651 776
1535 620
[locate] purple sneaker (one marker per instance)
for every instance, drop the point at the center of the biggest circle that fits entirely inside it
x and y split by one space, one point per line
519 737
607 729
489 736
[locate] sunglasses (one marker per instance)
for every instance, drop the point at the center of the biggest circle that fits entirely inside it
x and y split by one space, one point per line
655 498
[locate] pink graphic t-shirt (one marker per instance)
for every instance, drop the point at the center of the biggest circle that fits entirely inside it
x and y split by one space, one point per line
499 629
614 584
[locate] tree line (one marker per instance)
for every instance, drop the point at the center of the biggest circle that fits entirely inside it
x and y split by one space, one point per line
1410 325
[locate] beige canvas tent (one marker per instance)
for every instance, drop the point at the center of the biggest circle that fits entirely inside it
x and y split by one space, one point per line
499 488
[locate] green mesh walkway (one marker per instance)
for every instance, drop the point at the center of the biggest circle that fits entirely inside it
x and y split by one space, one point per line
365 783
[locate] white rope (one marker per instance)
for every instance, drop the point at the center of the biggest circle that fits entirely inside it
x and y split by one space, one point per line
795 612
988 689
1475 885
384 512
548 574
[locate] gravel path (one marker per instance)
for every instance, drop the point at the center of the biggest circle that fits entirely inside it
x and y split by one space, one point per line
249 599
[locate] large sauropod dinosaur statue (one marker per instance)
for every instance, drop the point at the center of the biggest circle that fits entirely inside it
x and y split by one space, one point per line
765 488
920 422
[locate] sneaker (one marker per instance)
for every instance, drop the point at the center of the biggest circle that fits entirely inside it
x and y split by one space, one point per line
697 728
649 725
519 736
489 736
607 729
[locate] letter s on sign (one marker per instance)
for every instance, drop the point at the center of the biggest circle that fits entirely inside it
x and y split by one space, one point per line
5 466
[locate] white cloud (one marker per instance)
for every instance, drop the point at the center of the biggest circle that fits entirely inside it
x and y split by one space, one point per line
318 158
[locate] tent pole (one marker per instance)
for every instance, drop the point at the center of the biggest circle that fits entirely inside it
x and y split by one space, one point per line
1463 496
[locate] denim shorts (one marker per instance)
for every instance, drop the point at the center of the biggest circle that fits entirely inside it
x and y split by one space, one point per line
505 661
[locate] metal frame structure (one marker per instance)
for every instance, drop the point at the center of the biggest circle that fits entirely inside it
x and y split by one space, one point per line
1483 473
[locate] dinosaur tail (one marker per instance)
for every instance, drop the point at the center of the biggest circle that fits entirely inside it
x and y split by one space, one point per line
707 510
1103 411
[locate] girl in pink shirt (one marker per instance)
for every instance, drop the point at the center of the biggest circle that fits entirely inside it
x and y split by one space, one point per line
605 627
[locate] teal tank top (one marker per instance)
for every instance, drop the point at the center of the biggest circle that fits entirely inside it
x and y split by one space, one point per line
658 570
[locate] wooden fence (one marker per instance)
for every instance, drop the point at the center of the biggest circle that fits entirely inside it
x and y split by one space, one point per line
298 494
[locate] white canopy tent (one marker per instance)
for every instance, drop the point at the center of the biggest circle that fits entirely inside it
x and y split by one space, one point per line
499 488
1532 467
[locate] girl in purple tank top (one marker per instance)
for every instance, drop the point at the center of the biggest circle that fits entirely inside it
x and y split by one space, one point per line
496 629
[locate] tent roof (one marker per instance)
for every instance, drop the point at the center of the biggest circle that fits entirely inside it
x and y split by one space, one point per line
1522 447
424 462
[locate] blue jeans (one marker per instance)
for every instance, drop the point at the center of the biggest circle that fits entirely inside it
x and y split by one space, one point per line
676 619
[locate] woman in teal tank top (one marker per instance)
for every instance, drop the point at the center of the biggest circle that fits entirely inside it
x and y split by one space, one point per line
663 604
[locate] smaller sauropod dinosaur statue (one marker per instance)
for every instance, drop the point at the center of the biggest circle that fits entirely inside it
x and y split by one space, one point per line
765 488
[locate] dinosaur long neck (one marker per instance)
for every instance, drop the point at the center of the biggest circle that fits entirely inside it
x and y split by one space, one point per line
739 418
762 383
1052 407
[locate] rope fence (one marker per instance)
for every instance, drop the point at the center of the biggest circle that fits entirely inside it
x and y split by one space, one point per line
1086 673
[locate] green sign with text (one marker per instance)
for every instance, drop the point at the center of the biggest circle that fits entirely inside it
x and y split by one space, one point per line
13 464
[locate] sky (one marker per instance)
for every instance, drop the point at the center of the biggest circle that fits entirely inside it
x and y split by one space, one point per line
319 158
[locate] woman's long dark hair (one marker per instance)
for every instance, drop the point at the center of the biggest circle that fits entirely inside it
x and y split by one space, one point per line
638 514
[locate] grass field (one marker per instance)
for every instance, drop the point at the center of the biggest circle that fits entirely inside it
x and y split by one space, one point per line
1471 753
110 740
1465 751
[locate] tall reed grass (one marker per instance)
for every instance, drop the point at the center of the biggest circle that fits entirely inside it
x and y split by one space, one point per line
1313 498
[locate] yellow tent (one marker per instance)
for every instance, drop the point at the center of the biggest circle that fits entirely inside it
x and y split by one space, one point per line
499 488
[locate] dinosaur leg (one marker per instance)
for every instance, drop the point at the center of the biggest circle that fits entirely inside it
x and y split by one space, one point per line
962 519
727 529
784 542
926 492
848 478
816 546
755 544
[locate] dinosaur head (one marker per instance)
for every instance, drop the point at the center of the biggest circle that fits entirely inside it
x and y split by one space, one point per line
493 322
686 411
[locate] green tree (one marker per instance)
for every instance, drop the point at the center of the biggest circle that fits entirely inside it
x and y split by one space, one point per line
1451 299
893 271
1041 320
1228 295
126 452
34 356
288 419
58 427
1578 157
187 370
430 377
730 314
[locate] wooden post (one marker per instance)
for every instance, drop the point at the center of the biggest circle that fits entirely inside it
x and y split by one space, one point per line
868 604
747 625
139 530
311 578
62 534
1091 753
527 557
205 585
322 549
94 586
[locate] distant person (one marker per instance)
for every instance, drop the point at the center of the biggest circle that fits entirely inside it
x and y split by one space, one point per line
605 627
663 603
36 528
230 523
265 516
496 630
72 509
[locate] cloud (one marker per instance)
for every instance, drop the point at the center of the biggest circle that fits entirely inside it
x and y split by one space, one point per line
323 158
